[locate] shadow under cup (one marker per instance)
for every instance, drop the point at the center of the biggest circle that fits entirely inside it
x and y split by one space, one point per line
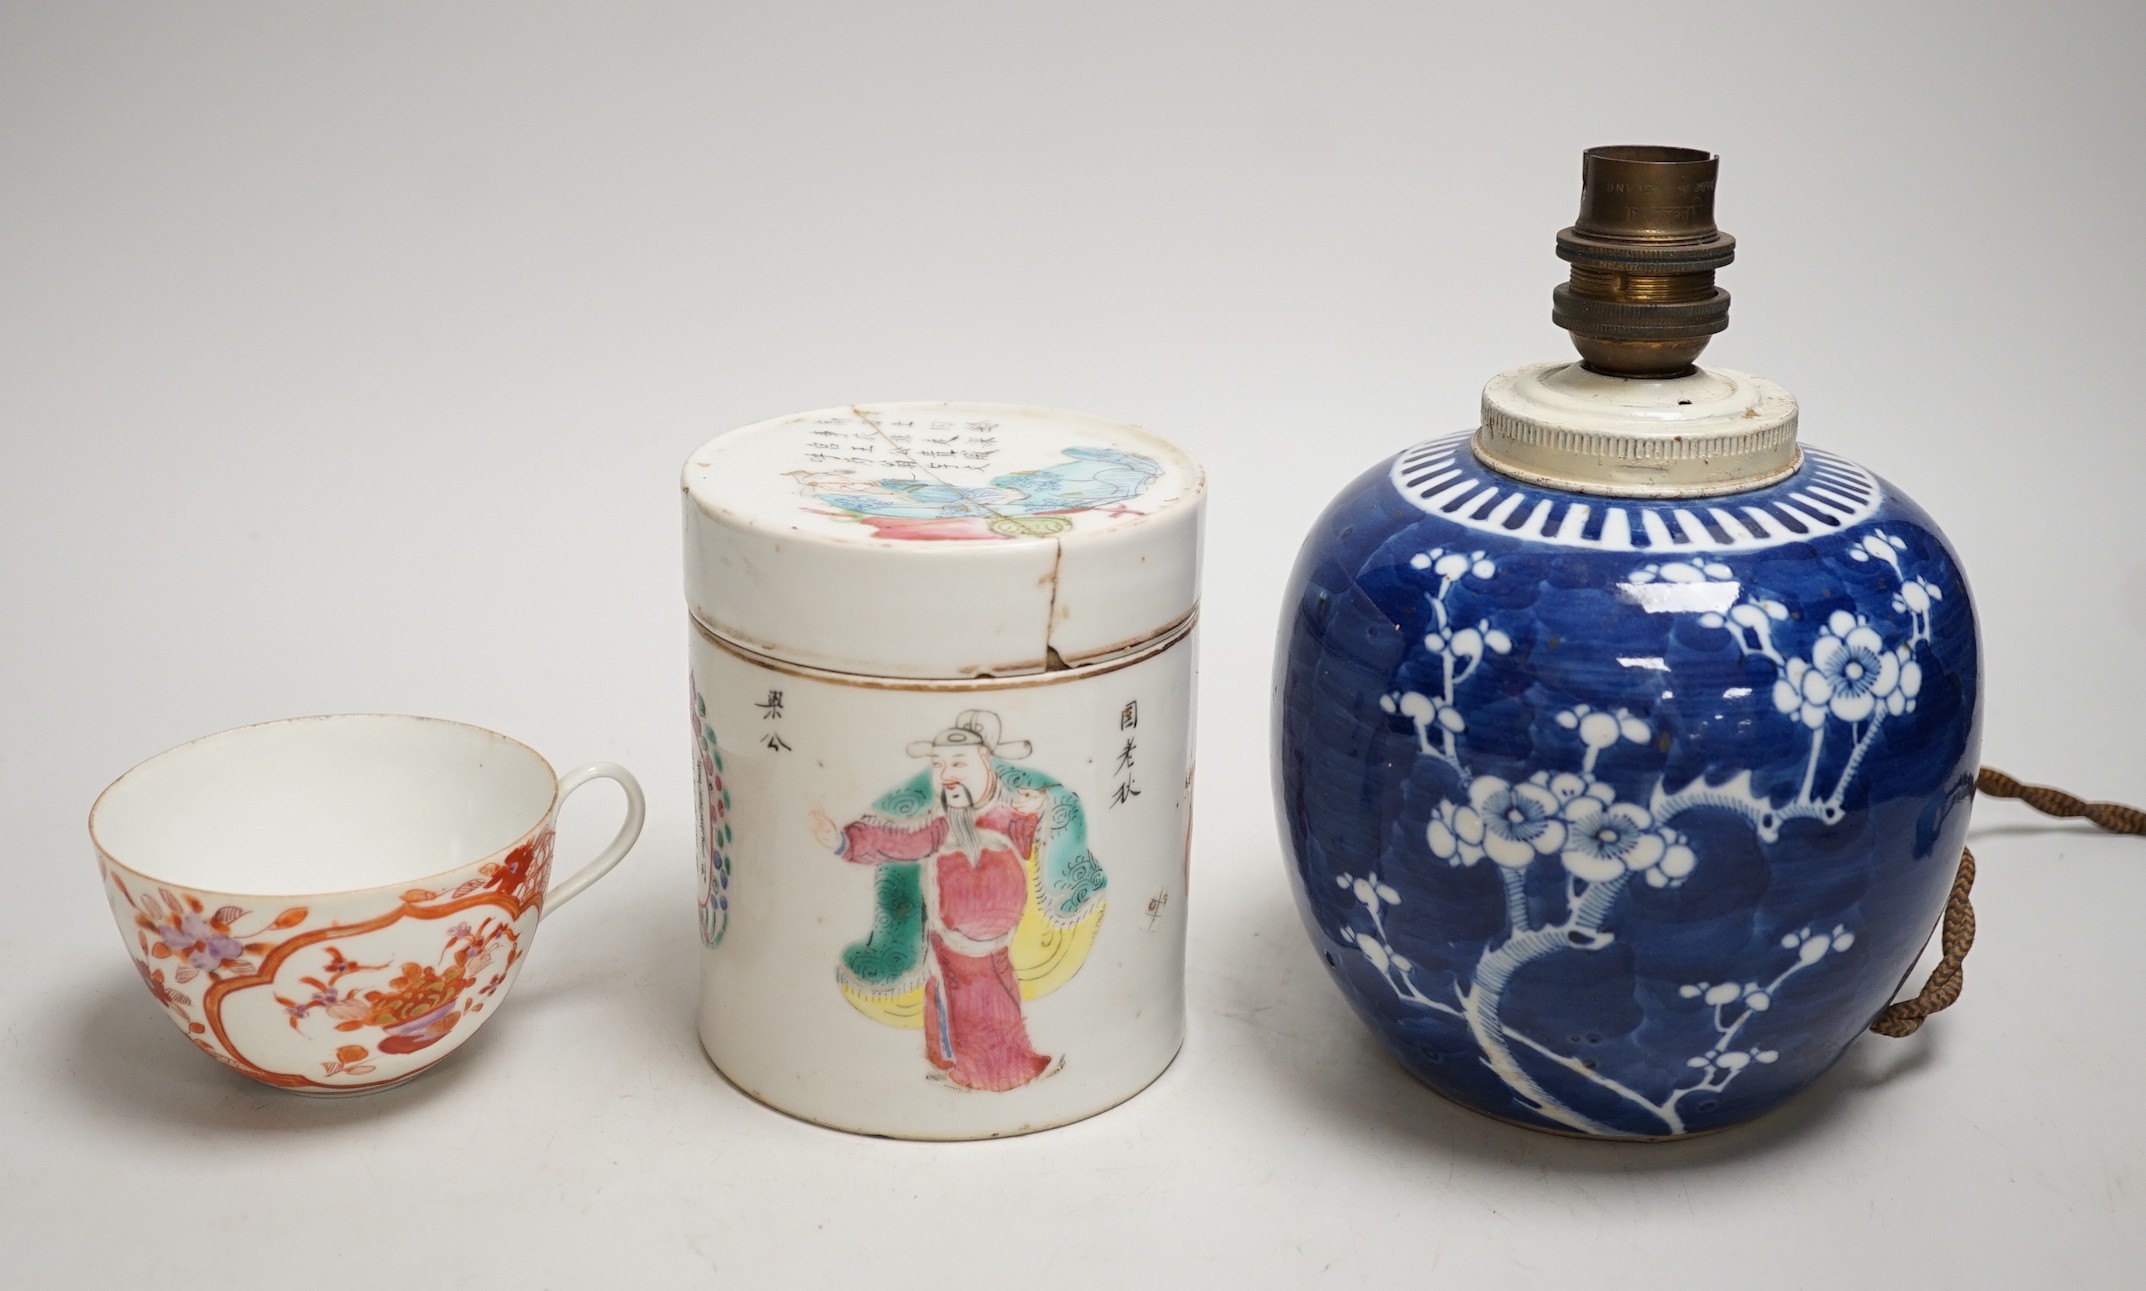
332 904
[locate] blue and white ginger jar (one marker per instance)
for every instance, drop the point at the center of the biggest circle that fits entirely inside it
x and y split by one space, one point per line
1614 815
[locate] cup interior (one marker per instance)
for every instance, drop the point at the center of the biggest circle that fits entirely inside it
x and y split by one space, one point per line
323 804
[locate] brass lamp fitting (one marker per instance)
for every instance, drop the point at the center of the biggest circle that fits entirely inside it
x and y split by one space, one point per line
1641 301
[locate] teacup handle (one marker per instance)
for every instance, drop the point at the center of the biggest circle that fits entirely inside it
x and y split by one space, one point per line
570 887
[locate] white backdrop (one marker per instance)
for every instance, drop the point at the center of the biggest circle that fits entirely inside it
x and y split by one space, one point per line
347 357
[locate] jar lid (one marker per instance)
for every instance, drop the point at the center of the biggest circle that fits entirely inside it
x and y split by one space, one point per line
942 540
1709 432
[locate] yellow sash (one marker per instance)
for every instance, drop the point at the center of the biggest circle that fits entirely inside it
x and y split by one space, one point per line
1045 957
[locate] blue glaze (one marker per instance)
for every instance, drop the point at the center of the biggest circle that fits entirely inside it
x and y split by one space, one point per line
1684 816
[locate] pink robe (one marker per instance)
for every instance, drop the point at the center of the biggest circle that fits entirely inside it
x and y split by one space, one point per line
973 1028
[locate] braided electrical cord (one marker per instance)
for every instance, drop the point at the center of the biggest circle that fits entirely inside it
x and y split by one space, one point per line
1904 1017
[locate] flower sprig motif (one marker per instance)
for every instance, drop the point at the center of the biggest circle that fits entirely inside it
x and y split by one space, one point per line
1880 545
1606 839
1427 712
1459 649
1854 673
1450 565
1736 1003
1600 729
1916 598
201 940
1851 674
1376 896
1516 822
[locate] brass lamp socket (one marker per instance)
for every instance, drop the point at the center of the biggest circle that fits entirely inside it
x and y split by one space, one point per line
1641 299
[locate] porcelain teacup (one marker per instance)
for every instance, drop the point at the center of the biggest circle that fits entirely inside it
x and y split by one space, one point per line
330 905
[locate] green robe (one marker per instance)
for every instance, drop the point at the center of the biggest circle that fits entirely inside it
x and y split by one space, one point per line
1069 880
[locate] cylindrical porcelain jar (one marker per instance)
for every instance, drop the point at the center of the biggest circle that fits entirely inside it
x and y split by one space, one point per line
942 673
1625 748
